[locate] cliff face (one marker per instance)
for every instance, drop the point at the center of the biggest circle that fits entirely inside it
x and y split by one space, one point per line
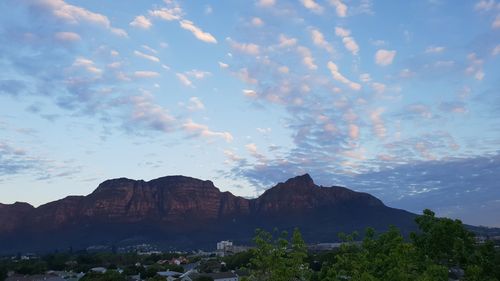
120 208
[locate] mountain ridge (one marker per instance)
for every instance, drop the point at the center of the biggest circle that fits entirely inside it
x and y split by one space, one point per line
175 210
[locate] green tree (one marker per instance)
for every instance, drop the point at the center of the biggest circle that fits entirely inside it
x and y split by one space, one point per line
277 259
444 240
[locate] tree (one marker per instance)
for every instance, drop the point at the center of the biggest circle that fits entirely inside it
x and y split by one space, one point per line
277 259
444 240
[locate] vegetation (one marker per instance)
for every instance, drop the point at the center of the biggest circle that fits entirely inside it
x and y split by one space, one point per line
442 248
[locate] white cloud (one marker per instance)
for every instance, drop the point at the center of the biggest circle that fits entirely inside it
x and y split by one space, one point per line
246 48
171 14
67 36
496 50
223 65
384 57
184 79
198 74
195 104
365 77
496 22
86 64
307 58
486 5
340 8
208 10
476 67
150 114
146 47
257 22
203 131
353 131
319 40
252 149
379 88
146 56
141 22
114 53
349 42
250 93
197 32
75 14
379 128
266 3
245 76
434 49
312 5
283 69
286 41
146 74
341 78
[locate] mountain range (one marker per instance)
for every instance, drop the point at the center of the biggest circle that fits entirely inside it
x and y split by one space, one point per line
178 212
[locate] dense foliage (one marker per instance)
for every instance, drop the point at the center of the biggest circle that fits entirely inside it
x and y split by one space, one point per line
441 248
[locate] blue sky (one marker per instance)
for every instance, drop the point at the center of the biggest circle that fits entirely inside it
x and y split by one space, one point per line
397 98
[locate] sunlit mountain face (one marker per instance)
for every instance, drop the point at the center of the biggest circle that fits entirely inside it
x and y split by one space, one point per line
400 99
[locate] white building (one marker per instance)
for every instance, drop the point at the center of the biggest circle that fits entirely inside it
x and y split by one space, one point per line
224 245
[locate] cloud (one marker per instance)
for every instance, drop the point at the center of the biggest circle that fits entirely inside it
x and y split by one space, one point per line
475 67
307 58
349 42
16 161
67 36
286 42
202 130
250 93
312 5
149 115
146 56
258 22
486 5
74 14
168 14
197 32
434 49
146 47
354 131
223 65
146 74
266 3
379 88
245 48
184 79
198 74
496 50
252 149
195 104
339 77
384 57
378 125
340 8
86 64
141 22
496 23
319 40
453 107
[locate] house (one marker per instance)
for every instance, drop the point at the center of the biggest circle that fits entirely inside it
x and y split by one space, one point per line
98 269
38 277
222 276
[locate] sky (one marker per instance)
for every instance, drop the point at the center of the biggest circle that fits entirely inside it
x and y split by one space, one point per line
400 99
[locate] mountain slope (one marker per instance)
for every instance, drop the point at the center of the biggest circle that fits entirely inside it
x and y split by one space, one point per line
185 213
